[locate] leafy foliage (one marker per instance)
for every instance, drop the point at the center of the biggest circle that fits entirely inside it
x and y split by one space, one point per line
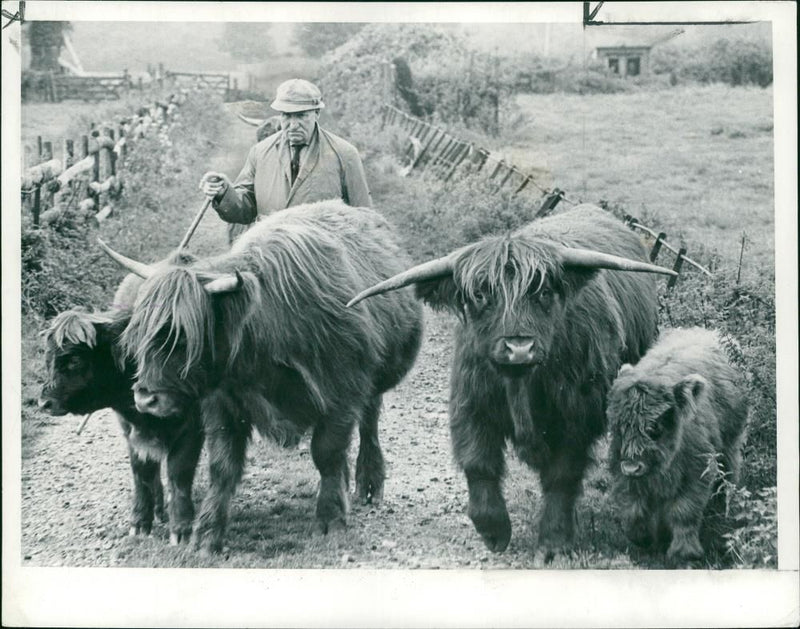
317 38
247 41
754 542
731 61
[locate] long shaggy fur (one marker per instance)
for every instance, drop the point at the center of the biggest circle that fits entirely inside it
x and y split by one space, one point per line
299 269
680 407
582 323
283 350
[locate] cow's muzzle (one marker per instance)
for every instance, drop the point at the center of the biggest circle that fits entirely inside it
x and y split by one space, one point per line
517 351
51 406
158 403
633 468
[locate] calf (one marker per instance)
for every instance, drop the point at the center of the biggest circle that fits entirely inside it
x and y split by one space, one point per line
681 405
87 372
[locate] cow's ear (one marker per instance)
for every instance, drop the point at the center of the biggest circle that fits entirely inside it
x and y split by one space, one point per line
689 391
440 294
575 278
625 370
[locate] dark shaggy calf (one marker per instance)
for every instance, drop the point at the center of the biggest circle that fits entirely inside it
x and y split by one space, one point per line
544 327
86 372
261 335
681 405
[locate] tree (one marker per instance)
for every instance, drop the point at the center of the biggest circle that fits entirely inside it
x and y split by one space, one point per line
247 41
317 38
46 40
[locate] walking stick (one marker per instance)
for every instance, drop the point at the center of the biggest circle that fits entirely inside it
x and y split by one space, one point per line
194 224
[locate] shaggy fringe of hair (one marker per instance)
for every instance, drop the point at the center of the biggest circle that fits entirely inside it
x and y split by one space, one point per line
75 327
506 267
174 302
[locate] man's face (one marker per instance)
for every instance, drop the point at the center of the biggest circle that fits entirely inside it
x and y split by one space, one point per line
299 125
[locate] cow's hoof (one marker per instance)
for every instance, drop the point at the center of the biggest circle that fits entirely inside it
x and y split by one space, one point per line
140 529
179 537
684 550
495 529
337 525
369 494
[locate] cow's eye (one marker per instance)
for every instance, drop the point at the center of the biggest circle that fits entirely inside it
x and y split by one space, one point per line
655 430
74 363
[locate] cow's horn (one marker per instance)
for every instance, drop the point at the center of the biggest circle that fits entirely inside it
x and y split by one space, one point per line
139 268
227 283
597 260
426 271
253 122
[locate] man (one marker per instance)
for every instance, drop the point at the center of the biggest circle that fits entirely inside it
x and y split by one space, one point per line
302 163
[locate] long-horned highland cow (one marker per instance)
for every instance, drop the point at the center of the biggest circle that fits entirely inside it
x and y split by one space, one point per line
543 328
88 371
261 336
682 405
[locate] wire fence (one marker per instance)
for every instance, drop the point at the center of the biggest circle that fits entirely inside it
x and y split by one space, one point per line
434 151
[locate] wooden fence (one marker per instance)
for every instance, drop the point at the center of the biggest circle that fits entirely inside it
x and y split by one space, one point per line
54 87
438 152
86 174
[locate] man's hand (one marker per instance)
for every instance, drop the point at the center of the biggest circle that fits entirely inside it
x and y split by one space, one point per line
214 184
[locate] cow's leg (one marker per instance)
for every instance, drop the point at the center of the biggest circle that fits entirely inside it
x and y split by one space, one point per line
181 466
158 496
561 478
146 488
478 448
683 517
226 442
328 449
370 472
639 523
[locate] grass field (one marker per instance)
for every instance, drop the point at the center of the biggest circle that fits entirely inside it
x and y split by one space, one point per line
697 160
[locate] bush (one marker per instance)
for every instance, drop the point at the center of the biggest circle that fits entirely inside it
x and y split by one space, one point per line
732 61
754 542
317 38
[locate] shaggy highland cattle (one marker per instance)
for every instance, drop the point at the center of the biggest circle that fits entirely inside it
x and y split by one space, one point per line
262 336
680 407
543 330
87 371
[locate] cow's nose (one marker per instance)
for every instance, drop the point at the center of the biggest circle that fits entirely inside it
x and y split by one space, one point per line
517 350
146 401
632 468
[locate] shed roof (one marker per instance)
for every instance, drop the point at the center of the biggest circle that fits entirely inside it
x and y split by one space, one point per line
628 36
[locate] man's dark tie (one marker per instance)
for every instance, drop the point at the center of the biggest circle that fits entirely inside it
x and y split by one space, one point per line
295 166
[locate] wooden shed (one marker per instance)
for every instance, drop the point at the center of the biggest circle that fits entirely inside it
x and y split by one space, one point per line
625 51
625 60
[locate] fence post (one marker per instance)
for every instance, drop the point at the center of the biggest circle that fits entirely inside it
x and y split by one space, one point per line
37 200
68 152
84 146
549 203
677 267
459 157
38 149
47 151
657 246
524 183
